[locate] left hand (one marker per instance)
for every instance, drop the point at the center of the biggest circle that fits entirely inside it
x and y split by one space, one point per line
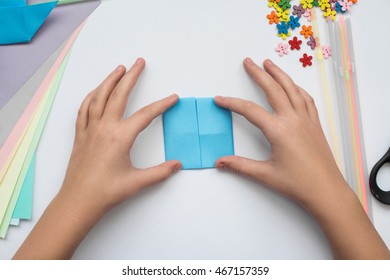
100 173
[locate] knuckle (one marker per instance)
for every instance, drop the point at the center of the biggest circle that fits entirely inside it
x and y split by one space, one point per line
165 174
311 100
80 113
249 107
147 113
94 102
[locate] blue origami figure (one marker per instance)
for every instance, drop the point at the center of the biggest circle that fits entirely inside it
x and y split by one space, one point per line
197 132
19 22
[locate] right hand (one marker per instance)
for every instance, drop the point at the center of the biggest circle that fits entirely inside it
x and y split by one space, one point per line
301 165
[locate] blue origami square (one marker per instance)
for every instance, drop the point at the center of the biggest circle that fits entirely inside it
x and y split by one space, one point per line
197 132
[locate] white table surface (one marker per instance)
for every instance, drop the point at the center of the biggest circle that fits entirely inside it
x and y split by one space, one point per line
195 48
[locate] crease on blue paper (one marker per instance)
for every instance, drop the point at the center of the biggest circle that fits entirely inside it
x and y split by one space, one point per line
19 22
197 132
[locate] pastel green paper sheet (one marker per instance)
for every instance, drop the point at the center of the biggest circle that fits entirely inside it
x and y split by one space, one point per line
23 208
30 142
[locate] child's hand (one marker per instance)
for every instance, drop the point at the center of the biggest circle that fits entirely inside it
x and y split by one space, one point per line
301 162
100 173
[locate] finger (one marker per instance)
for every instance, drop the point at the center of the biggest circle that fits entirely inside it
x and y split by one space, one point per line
310 106
257 170
287 84
250 110
82 116
117 102
143 117
153 175
275 94
102 93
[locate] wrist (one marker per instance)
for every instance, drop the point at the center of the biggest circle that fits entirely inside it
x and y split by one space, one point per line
331 197
82 213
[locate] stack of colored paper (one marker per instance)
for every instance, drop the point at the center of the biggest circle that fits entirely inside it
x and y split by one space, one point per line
26 111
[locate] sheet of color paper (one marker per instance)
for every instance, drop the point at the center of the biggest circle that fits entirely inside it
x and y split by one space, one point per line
13 141
24 135
20 62
14 222
19 23
23 207
197 132
21 162
12 111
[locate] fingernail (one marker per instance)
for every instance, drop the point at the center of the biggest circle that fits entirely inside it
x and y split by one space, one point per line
119 68
221 165
139 61
249 61
218 99
177 167
268 62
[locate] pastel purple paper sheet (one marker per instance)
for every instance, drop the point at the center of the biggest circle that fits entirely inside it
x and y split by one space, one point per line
19 62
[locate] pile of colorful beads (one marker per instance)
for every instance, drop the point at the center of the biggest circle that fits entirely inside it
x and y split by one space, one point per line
287 19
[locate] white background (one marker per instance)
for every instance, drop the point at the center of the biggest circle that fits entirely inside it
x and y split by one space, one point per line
196 48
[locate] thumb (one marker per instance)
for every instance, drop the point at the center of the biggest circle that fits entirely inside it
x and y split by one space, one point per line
244 166
156 174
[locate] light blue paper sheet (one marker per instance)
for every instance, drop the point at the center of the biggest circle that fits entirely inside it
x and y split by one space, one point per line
19 22
197 132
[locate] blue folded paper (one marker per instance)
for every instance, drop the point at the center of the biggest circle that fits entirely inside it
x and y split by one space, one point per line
197 132
19 22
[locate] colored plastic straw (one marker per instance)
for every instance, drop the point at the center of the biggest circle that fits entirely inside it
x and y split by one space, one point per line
328 100
349 107
356 122
342 105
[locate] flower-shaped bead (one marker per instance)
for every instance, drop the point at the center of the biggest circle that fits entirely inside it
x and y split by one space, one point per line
306 31
338 8
272 3
329 13
282 28
312 42
315 3
282 49
345 5
308 15
284 4
284 36
326 51
306 60
272 18
324 4
294 22
298 10
295 44
354 1
307 4
282 15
